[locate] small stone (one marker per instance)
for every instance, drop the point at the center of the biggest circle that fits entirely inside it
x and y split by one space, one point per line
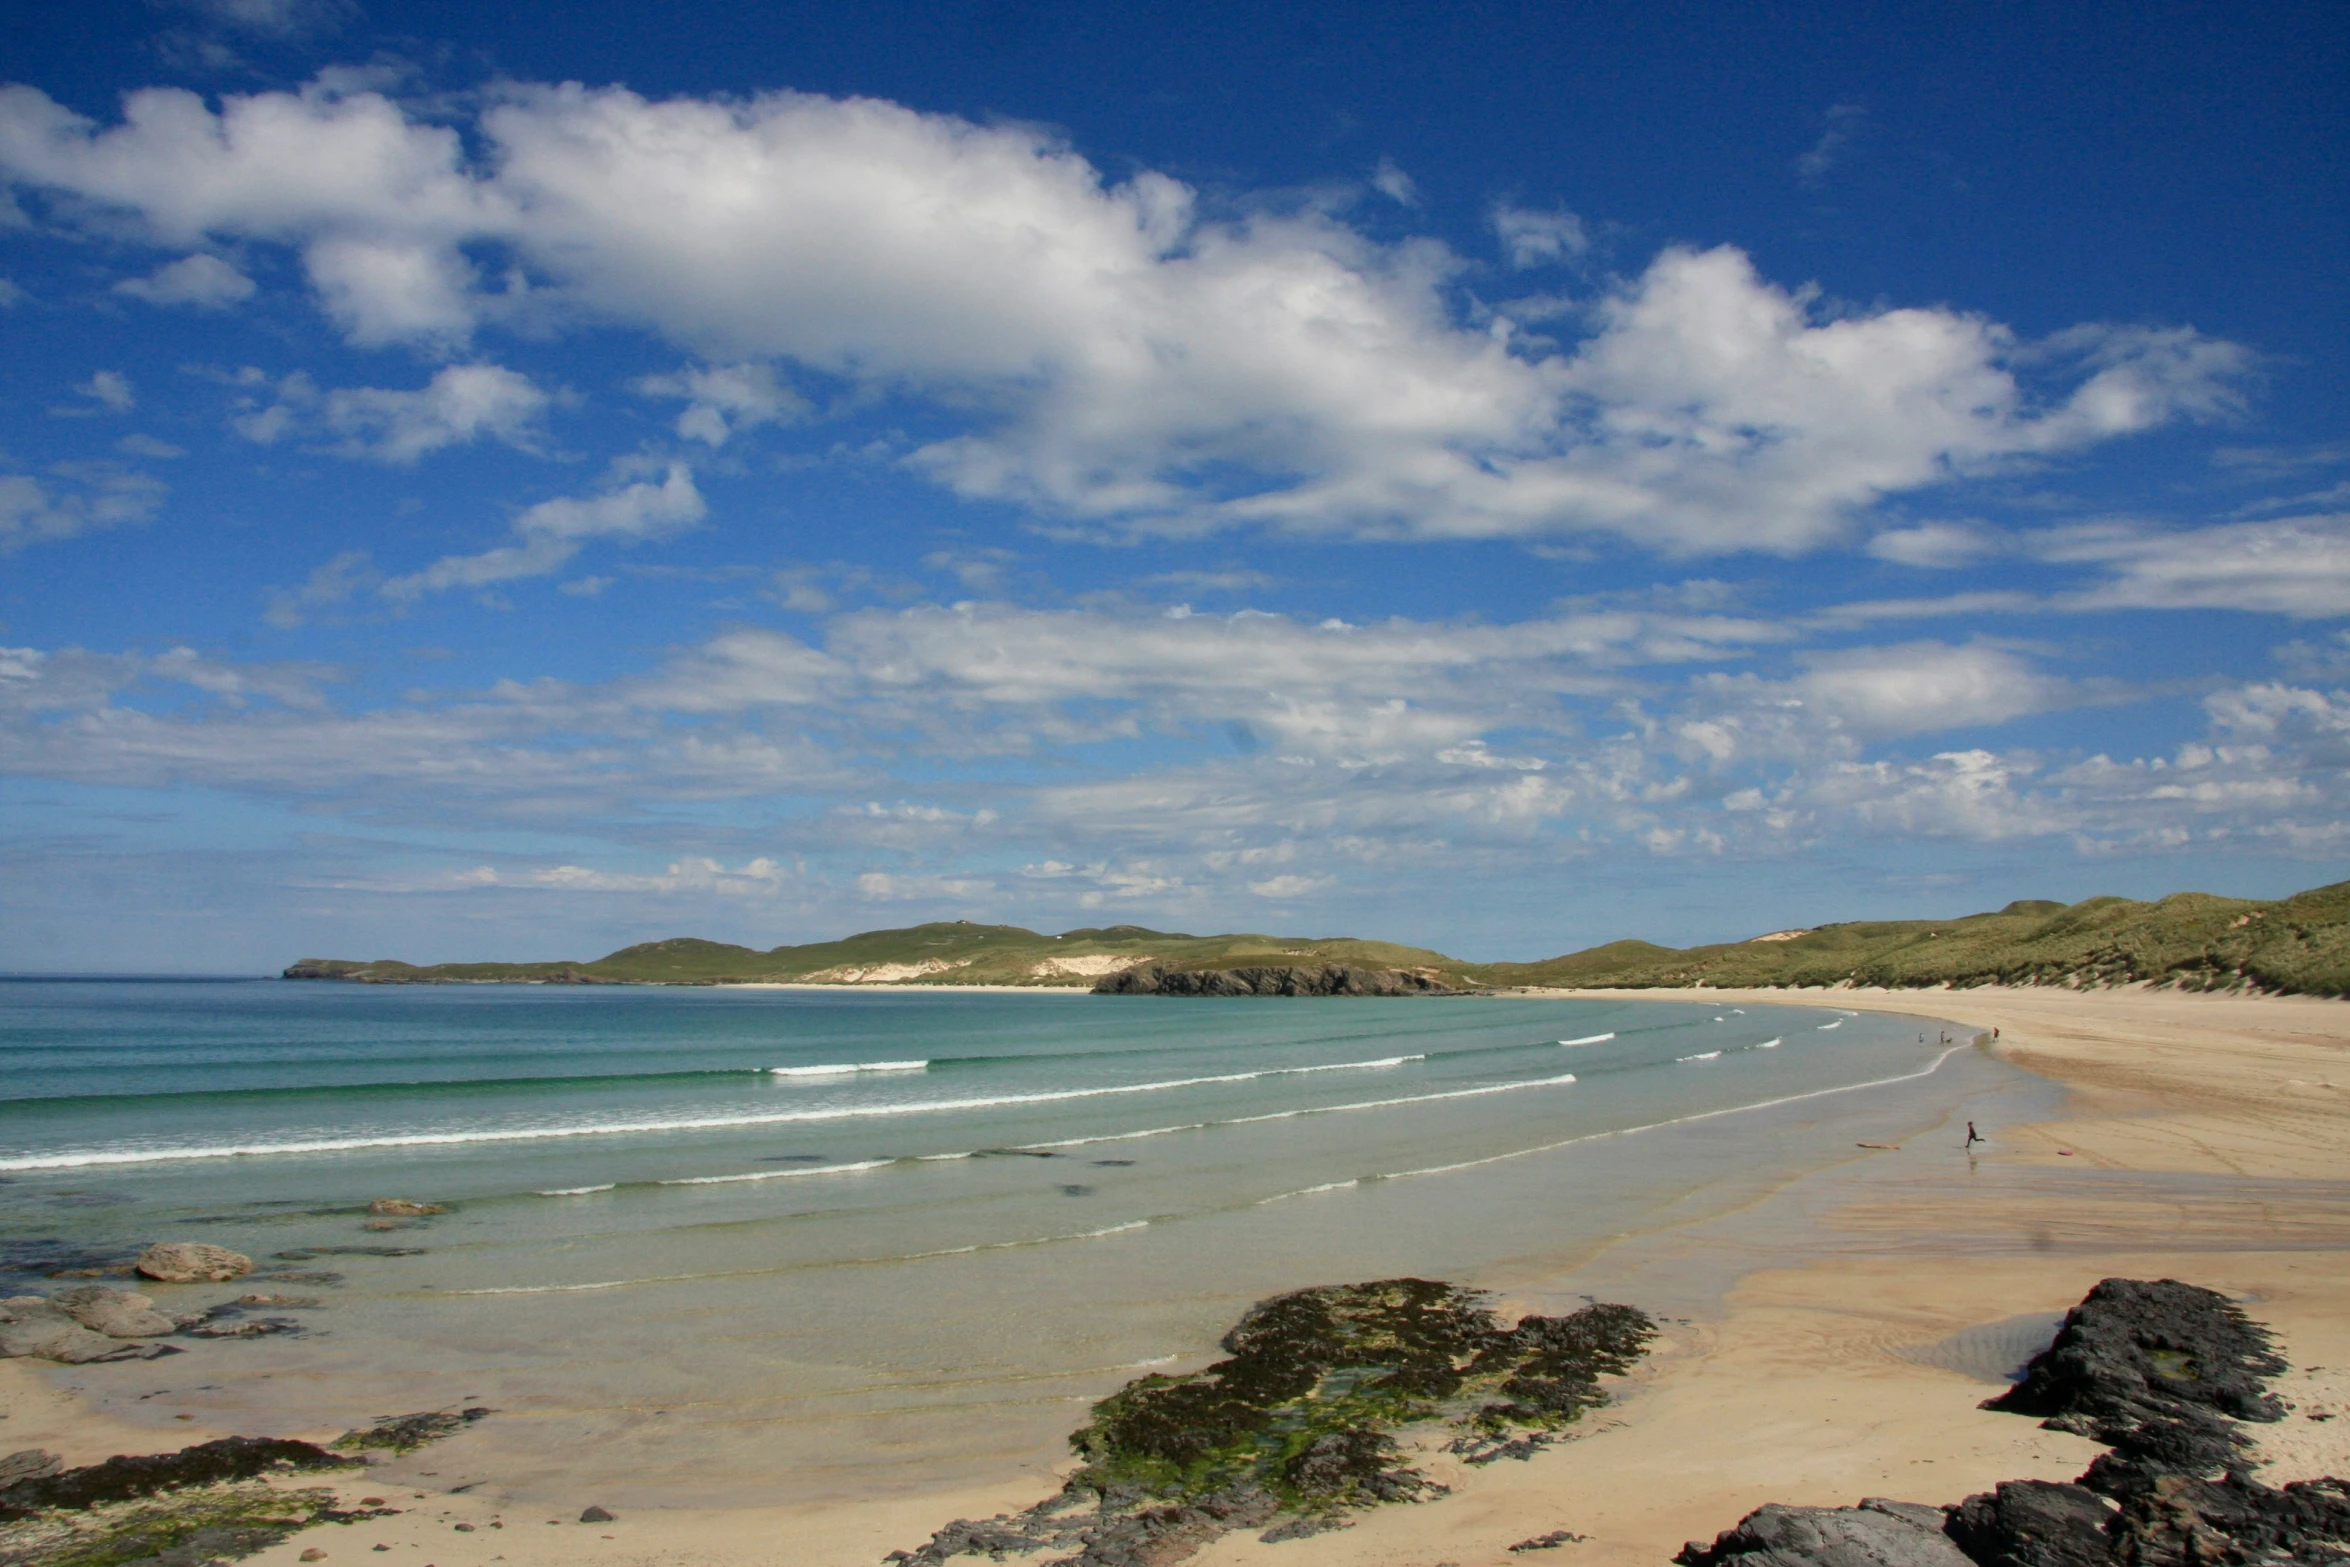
314 1554
371 1501
597 1515
464 1528
383 1547
402 1208
193 1262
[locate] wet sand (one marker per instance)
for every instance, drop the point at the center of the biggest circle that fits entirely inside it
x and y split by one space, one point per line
2201 1138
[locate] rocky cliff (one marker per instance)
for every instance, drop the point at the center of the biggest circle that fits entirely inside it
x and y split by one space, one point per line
1286 979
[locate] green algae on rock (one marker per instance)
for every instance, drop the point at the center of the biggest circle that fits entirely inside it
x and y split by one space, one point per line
1296 1423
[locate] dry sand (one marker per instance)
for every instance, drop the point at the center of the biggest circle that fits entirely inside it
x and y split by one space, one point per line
2205 1138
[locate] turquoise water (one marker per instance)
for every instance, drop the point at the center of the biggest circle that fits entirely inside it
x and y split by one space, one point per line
730 1240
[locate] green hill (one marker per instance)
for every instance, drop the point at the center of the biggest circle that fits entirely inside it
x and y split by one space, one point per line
957 953
2191 940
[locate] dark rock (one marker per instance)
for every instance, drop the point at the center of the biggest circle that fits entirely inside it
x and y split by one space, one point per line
1326 979
596 1515
122 1478
2153 1370
2034 1523
1877 1533
403 1208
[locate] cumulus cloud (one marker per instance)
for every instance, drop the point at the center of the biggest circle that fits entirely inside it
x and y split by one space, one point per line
1124 358
553 531
725 400
461 403
204 281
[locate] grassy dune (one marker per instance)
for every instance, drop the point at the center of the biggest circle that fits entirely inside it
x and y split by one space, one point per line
2191 940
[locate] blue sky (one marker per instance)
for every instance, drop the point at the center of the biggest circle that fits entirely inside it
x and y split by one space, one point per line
482 482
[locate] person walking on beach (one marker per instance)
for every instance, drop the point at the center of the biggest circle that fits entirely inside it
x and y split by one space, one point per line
1972 1137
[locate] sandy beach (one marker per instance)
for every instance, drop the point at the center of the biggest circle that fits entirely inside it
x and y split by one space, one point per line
2203 1138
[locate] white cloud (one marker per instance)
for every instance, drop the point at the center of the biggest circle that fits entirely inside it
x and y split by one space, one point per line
1935 545
111 390
336 582
82 498
137 444
2298 566
1393 183
1925 687
202 280
725 400
461 403
553 531
1531 238
1126 360
1846 123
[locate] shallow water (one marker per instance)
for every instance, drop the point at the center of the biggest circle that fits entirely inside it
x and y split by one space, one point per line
685 1262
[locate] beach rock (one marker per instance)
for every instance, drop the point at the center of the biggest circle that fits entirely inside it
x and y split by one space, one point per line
30 1464
2034 1523
1877 1533
402 1208
115 1313
37 1328
406 1433
121 1479
1327 979
596 1515
192 1262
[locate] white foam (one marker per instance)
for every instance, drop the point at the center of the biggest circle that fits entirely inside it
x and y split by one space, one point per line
1770 1044
1311 1191
1589 1039
1824 1027
776 1175
1928 1070
1710 1055
1285 1115
848 1068
578 1191
81 1158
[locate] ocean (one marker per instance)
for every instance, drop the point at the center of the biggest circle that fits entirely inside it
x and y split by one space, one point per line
716 1244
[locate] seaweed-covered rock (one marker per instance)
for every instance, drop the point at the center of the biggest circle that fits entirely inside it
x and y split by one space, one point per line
192 1262
403 1208
407 1433
1877 1533
207 1463
1295 1423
